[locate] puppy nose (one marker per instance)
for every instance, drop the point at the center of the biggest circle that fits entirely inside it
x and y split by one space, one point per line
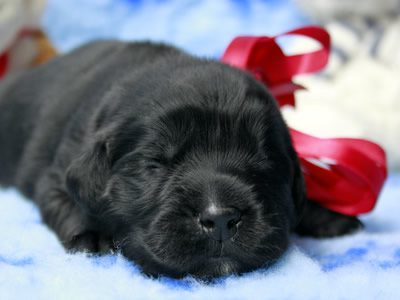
220 225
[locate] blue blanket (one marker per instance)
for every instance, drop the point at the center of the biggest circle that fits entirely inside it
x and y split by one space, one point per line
33 265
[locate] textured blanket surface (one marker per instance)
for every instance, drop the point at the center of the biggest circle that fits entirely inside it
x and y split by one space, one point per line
365 265
33 265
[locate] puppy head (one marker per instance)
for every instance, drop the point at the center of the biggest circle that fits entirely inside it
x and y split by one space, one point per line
208 186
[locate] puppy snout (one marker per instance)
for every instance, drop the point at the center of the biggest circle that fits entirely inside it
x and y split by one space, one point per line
220 225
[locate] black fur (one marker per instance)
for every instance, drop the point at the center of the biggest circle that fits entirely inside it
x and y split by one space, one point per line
124 145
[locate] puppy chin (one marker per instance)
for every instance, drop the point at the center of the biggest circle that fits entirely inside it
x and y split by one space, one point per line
203 269
206 270
217 267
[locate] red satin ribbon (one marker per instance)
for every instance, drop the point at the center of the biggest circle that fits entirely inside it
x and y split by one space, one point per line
344 175
3 64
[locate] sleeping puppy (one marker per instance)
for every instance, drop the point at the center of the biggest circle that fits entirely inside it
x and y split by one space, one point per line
183 164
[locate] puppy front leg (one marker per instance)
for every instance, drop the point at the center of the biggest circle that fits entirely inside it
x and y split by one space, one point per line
67 220
321 222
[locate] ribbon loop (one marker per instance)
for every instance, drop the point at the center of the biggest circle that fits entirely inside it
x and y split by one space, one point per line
263 57
313 61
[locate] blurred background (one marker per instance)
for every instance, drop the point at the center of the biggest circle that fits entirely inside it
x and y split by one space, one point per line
200 27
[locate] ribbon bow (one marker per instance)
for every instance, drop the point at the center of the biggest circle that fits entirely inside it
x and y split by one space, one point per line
342 174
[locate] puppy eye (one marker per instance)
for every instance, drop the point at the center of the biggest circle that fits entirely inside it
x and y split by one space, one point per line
154 164
153 167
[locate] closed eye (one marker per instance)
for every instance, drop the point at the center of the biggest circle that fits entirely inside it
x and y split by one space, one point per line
155 163
153 166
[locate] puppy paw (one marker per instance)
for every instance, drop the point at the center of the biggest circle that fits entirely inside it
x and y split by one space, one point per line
90 242
338 226
321 222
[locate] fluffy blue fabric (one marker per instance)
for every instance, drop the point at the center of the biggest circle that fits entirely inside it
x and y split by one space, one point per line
33 265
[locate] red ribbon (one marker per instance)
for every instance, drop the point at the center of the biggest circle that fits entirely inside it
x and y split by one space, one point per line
3 64
344 175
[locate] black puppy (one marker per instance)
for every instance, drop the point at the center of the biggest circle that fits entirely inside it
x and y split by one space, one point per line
183 164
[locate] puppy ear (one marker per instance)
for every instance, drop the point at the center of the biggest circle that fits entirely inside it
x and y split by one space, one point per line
87 175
